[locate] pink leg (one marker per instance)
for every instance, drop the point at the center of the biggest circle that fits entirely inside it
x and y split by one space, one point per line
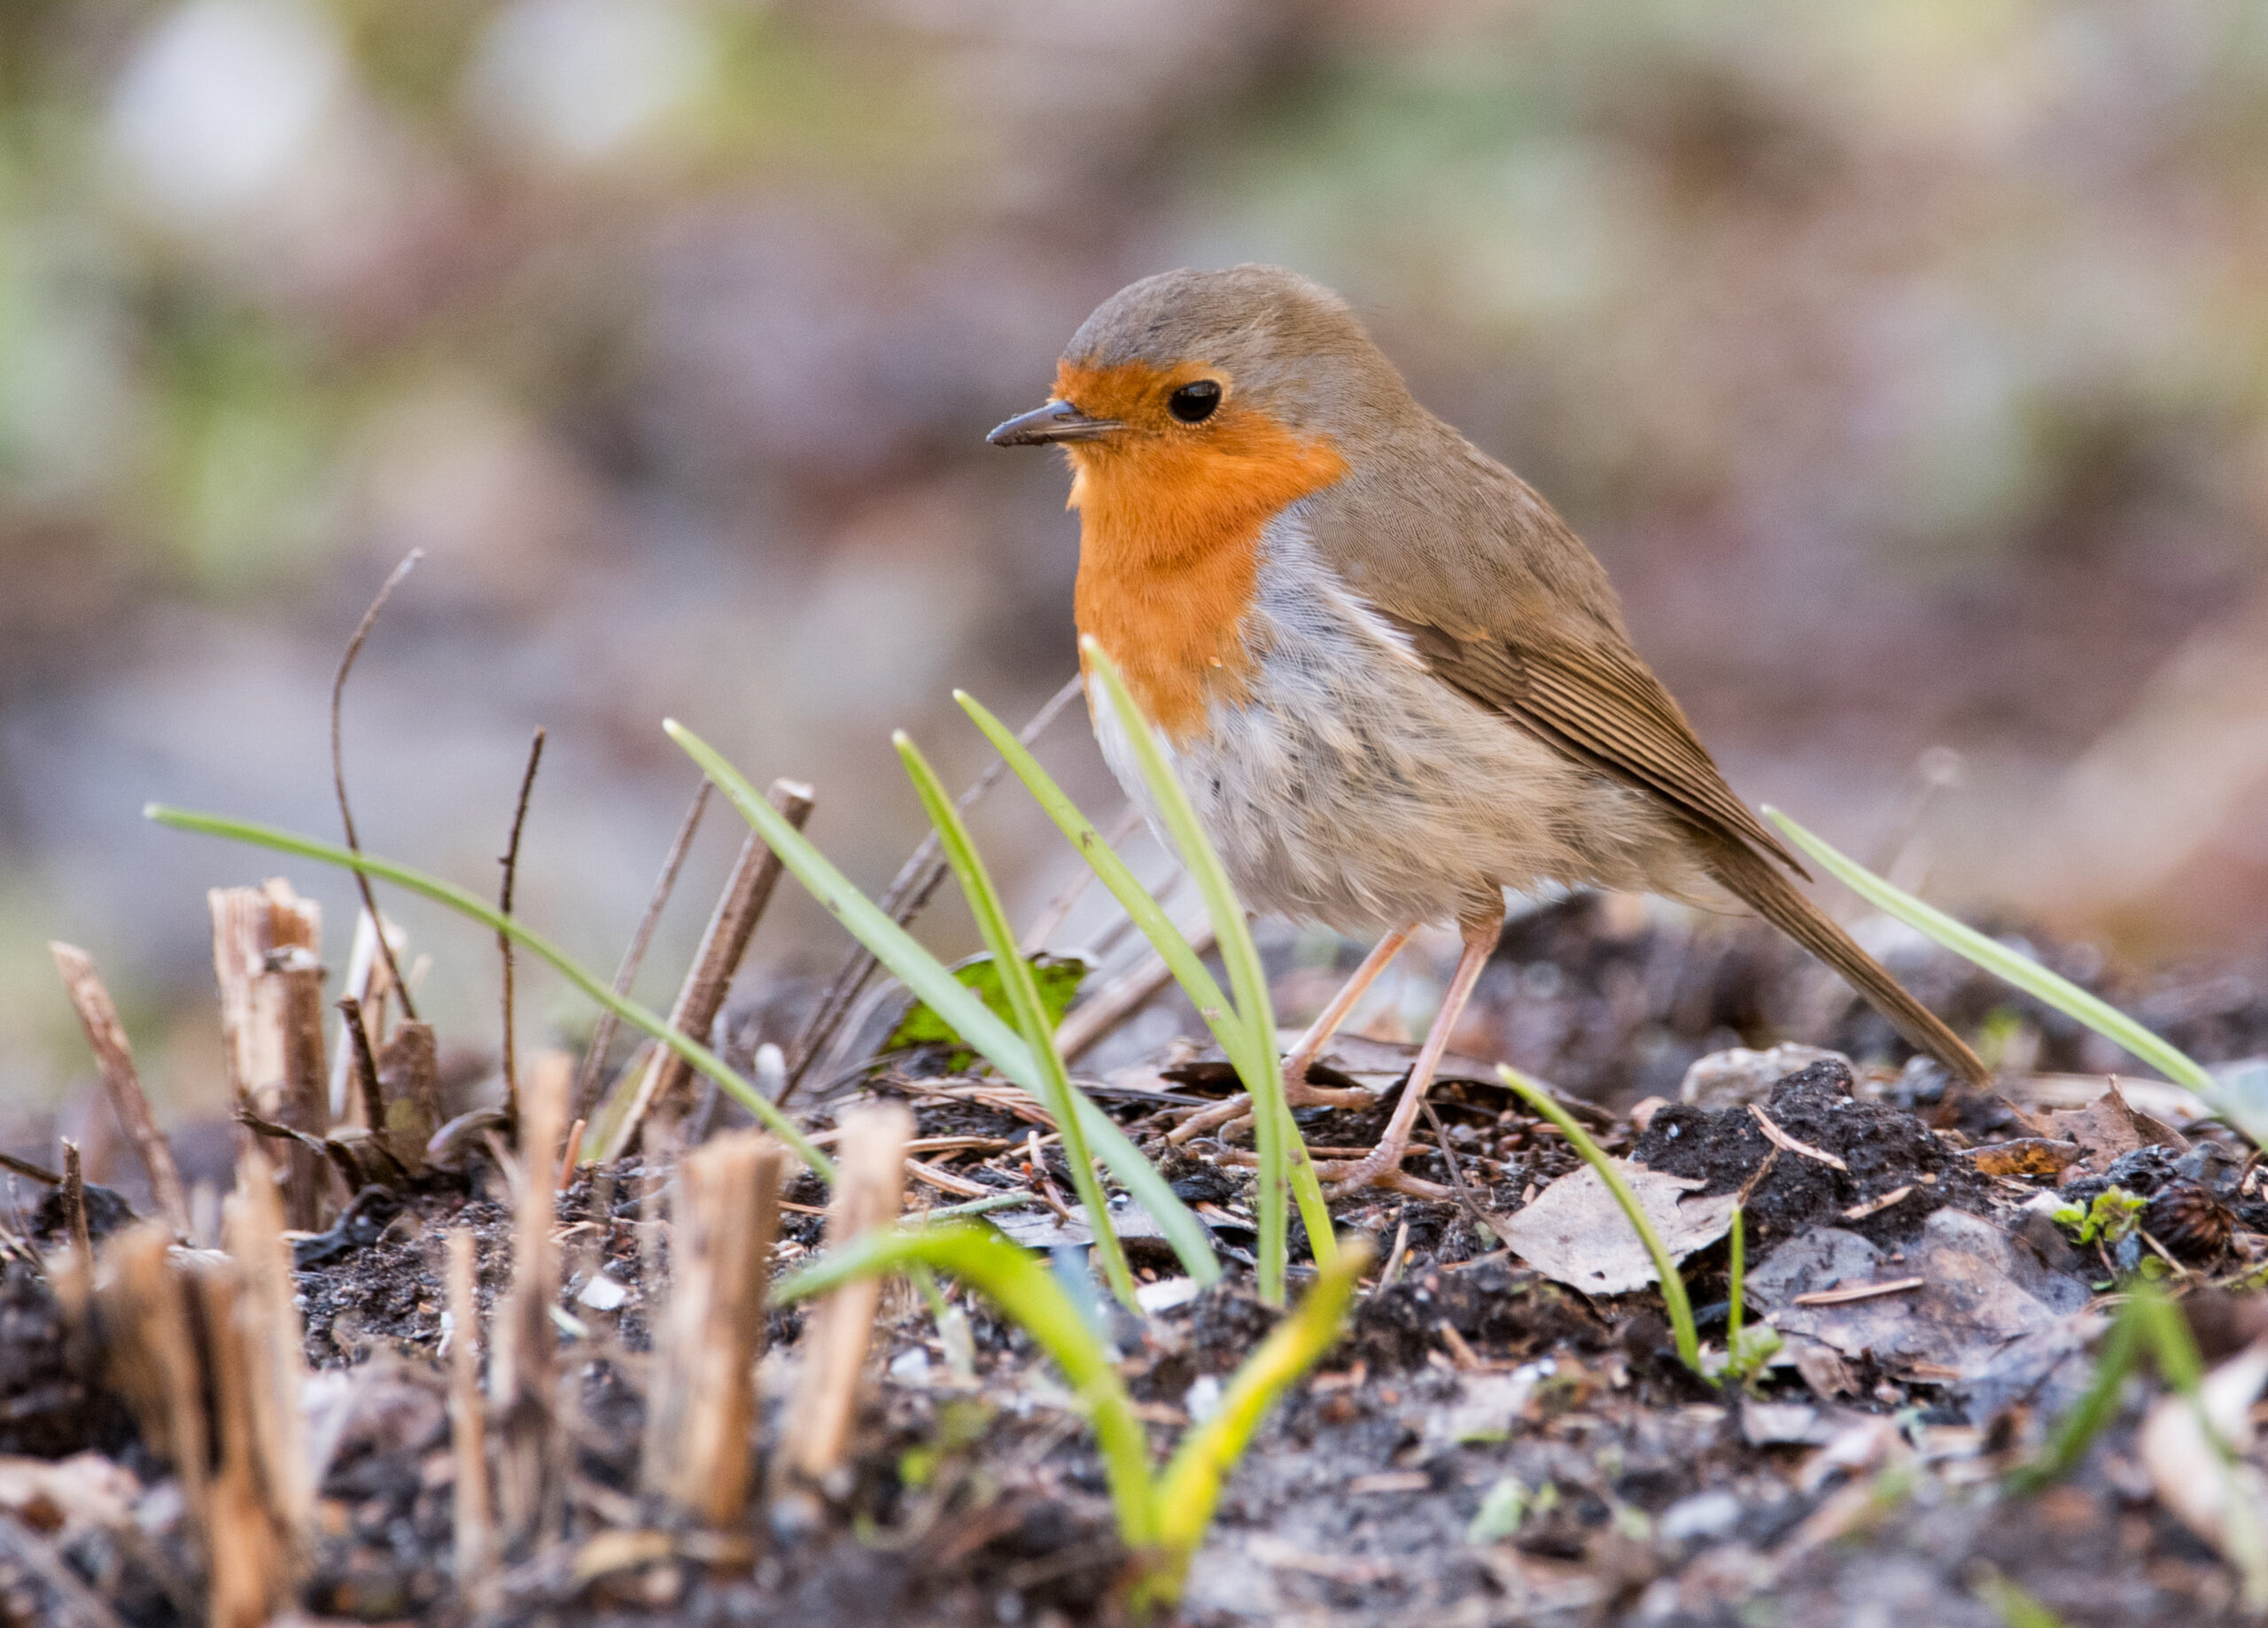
1479 943
1319 1033
1296 1088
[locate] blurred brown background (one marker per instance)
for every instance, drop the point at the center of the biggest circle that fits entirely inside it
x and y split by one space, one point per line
1903 361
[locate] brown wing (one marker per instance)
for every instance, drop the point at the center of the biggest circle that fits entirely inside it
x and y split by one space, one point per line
1600 705
1501 602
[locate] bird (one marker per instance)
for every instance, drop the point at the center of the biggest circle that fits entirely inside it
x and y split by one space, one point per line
1395 683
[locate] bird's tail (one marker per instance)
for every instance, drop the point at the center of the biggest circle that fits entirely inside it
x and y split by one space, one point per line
1771 894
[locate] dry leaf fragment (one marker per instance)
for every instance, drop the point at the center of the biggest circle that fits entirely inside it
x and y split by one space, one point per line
1574 1232
2110 1126
1979 1292
2025 1156
2223 1499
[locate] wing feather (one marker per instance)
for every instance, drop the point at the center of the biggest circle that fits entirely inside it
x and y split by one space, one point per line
1602 707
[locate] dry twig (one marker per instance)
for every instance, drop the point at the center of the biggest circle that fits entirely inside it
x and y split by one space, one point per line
82 1607
511 863
1097 1017
586 1077
107 1037
338 770
366 1066
1051 919
909 892
731 924
31 1171
1780 1138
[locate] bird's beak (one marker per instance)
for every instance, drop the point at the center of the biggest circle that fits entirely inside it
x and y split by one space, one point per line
1058 421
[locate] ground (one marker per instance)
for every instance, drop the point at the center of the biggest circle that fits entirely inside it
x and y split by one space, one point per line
1484 1445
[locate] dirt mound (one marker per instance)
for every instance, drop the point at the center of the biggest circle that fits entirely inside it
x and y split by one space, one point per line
1877 1151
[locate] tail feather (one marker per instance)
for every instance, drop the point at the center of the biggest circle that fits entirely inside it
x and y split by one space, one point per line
1772 896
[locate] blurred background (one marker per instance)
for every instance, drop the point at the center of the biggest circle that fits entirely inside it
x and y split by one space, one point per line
1903 361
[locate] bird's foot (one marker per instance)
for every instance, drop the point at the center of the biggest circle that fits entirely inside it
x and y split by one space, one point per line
1227 1115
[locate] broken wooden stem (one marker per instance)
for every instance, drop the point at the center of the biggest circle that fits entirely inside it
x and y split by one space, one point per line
107 1035
702 1409
868 1193
252 1231
731 924
520 1371
267 944
468 1426
74 1209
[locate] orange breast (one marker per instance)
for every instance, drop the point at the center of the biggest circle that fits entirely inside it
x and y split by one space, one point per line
1170 522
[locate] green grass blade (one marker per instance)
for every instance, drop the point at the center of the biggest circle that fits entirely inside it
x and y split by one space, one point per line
1187 966
1283 1159
2076 1430
1735 1312
1031 1016
1251 1053
1021 1285
2004 963
2015 1605
931 981
471 904
1673 1286
1191 1487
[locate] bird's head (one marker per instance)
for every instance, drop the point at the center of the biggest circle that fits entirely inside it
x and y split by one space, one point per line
1186 368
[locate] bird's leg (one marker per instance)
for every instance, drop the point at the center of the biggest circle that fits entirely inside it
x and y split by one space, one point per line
1310 1045
1480 936
1297 1091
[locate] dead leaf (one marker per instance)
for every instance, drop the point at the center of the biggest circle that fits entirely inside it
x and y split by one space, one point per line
2223 1502
1787 1424
1980 1291
2110 1126
83 1490
1575 1231
1040 1230
1822 1366
619 1550
2025 1156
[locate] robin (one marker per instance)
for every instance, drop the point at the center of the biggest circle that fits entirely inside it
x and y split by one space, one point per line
1394 682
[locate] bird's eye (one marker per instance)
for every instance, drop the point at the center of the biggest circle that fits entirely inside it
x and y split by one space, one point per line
1193 404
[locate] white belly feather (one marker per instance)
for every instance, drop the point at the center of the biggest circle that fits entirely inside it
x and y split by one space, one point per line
1353 789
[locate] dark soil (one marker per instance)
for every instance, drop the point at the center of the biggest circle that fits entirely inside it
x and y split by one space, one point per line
1484 1445
1880 1148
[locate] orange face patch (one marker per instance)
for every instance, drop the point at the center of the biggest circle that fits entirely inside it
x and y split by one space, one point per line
1169 522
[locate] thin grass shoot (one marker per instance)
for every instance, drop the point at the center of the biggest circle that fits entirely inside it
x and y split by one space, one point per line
1030 1013
932 982
1673 1286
